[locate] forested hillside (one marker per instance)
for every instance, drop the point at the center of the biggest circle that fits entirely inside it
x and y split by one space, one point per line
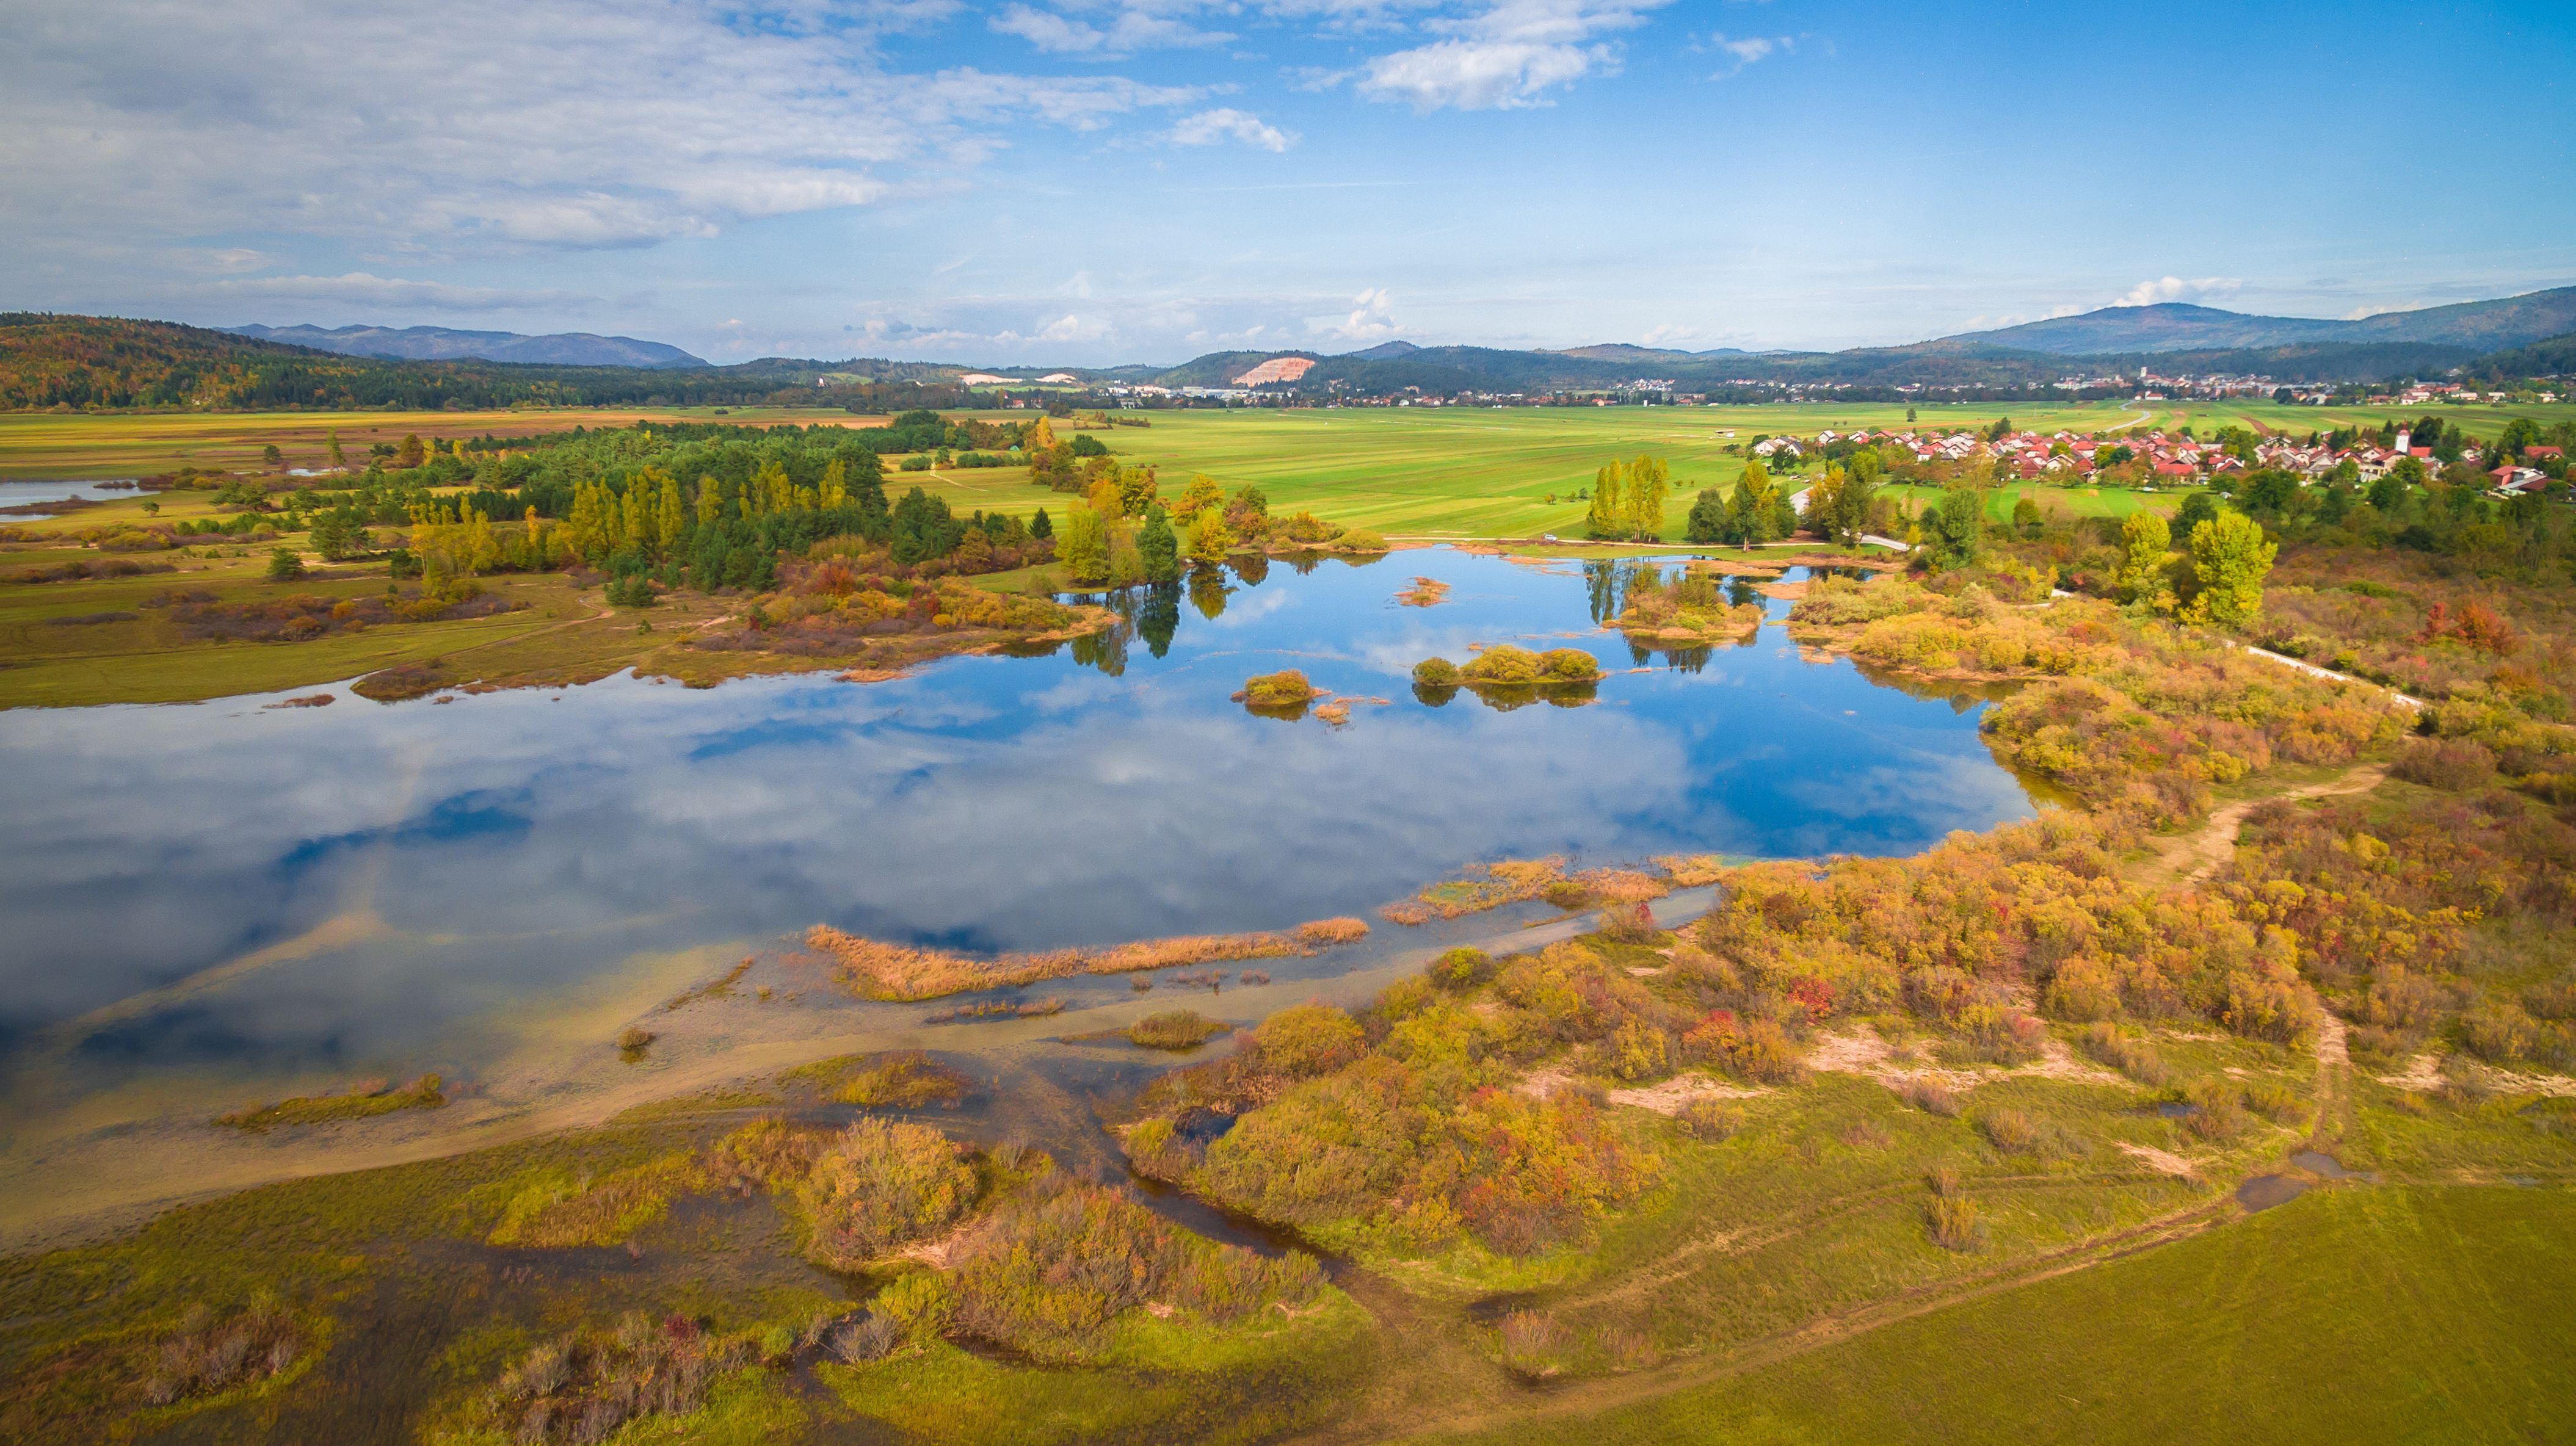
88 361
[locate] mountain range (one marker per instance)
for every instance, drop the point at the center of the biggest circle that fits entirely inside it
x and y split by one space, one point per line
439 343
2481 326
2171 335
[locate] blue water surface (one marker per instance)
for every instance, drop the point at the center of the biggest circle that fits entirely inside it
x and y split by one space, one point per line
491 848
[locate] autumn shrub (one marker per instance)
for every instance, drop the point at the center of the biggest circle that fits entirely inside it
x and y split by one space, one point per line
1569 665
906 1079
1436 673
207 1356
2082 990
1306 1040
2017 1132
1710 1121
586 1385
1758 1050
1952 1222
880 1184
1930 1096
1637 1051
2446 763
1573 992
865 1336
1157 1150
1461 968
1280 691
2132 1057
1415 1152
1534 1345
2217 1109
1056 1264
1504 665
1629 923
2276 1101
766 1154
1175 1029
1993 1034
2498 1031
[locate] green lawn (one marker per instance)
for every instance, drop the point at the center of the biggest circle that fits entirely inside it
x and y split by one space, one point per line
2380 1314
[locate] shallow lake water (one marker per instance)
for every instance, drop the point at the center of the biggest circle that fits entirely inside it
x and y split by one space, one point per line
367 888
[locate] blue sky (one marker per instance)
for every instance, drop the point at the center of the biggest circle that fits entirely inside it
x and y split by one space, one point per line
1098 181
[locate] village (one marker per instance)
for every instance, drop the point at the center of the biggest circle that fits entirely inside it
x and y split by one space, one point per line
2181 459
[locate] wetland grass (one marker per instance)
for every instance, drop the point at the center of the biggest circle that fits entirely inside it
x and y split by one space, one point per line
364 1100
879 970
1175 1029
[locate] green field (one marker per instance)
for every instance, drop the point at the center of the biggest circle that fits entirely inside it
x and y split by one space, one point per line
2359 1313
78 445
1453 472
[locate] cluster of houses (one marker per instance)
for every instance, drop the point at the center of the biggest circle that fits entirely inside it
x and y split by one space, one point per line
2034 456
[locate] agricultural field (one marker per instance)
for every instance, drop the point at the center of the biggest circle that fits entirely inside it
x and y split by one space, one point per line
79 446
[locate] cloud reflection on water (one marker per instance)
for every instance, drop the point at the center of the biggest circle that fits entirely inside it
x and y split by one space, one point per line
518 843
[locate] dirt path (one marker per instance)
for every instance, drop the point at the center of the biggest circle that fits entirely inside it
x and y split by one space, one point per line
2192 857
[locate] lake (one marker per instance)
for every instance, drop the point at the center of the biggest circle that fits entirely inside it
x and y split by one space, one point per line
232 892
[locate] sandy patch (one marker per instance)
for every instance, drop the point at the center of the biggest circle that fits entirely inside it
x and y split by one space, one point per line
1668 1096
2505 1082
1863 1053
1541 1084
2423 1072
2162 1161
2331 1049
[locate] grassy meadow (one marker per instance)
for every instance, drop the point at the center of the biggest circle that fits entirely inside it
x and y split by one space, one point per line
2369 1313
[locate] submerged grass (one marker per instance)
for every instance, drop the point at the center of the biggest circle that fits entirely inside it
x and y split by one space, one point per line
362 1101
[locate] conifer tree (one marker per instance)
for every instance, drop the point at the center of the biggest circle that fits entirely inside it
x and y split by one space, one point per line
1157 550
1604 519
1643 498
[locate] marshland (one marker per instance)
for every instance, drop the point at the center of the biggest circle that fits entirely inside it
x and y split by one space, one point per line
1629 996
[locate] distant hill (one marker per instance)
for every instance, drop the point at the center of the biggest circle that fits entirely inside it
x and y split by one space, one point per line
439 343
1384 351
2478 326
49 360
2553 357
1620 351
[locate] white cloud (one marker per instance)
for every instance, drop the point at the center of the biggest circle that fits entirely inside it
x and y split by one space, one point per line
1136 25
1214 127
1508 56
487 123
1668 333
2174 288
1369 318
1745 50
361 289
